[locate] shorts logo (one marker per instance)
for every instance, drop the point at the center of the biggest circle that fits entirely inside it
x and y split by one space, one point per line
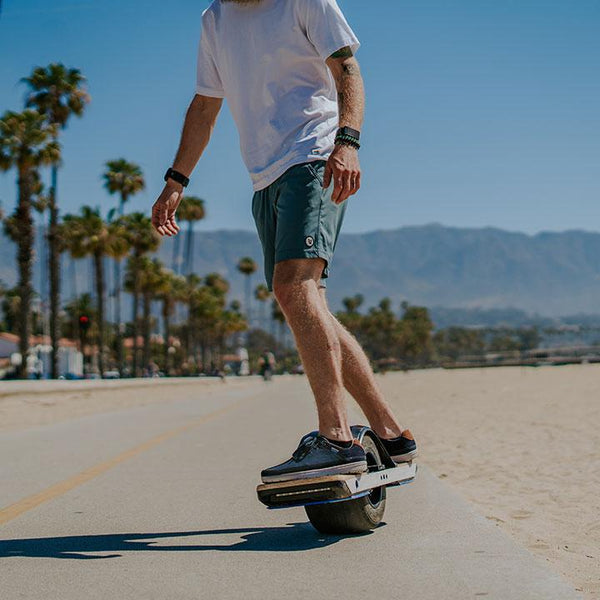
309 241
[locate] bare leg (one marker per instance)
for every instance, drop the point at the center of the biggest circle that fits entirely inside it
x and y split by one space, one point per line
360 382
296 287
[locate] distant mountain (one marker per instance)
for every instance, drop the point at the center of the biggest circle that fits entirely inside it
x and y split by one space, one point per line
549 274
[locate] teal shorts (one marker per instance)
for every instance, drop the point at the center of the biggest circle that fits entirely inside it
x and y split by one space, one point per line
296 218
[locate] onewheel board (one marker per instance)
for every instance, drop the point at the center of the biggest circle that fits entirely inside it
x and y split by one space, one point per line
343 504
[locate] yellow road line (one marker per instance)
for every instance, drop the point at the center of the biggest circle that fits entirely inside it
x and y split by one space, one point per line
58 489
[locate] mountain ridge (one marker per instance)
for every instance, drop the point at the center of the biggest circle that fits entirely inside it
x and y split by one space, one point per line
548 273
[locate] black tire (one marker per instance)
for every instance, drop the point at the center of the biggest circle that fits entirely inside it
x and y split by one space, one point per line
352 516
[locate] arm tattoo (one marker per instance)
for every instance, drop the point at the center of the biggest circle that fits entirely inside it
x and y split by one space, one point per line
350 94
345 52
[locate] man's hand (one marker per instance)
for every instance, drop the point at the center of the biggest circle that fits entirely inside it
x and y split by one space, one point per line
344 168
163 211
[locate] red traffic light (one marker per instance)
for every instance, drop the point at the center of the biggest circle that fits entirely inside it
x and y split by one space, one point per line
83 319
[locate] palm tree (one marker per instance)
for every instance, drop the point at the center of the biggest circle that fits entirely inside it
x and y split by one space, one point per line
40 205
262 294
353 303
118 248
142 239
57 93
171 291
152 284
191 210
87 234
247 266
217 282
125 179
189 297
27 142
230 322
11 303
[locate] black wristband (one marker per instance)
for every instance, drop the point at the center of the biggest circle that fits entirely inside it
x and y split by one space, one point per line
177 176
346 140
348 143
349 131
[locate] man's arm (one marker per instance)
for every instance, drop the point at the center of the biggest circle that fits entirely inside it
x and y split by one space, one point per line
343 165
199 124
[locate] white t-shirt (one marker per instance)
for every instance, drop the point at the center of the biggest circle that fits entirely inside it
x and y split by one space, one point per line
268 60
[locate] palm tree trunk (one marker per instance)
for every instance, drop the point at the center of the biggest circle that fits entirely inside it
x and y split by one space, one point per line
188 249
203 355
99 268
175 259
167 327
248 294
54 276
136 301
146 330
118 324
263 318
25 260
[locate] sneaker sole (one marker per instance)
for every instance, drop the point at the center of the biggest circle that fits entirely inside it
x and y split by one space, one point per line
405 457
350 469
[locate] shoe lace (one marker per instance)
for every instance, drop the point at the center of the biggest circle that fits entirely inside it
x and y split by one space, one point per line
315 441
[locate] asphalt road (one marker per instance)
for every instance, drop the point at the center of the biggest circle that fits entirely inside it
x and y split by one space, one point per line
158 502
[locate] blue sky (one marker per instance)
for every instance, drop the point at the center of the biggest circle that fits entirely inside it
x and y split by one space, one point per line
479 112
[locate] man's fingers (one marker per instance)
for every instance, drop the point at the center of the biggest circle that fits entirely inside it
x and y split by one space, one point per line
171 224
345 184
338 187
171 220
169 229
159 216
354 183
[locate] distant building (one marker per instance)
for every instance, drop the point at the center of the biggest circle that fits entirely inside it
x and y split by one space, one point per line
70 360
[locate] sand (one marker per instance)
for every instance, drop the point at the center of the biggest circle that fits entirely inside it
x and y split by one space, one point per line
521 444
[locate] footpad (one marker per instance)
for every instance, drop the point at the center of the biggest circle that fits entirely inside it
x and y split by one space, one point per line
301 492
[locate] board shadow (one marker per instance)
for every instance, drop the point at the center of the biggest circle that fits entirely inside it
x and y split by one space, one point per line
293 537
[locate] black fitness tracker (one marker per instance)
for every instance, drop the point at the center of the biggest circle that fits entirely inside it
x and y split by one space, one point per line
348 131
177 176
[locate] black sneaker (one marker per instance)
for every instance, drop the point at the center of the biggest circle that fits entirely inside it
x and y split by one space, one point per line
403 448
316 456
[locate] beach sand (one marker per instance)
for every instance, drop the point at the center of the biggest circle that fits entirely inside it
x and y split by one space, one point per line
521 444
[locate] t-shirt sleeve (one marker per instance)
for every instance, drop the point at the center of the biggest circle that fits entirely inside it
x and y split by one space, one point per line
208 80
327 28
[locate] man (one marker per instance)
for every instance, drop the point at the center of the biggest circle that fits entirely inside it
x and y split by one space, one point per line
288 71
267 365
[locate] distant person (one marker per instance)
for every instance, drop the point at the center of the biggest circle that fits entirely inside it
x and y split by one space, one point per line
267 365
288 71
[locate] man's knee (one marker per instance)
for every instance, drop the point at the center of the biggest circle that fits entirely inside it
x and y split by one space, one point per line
289 292
294 281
